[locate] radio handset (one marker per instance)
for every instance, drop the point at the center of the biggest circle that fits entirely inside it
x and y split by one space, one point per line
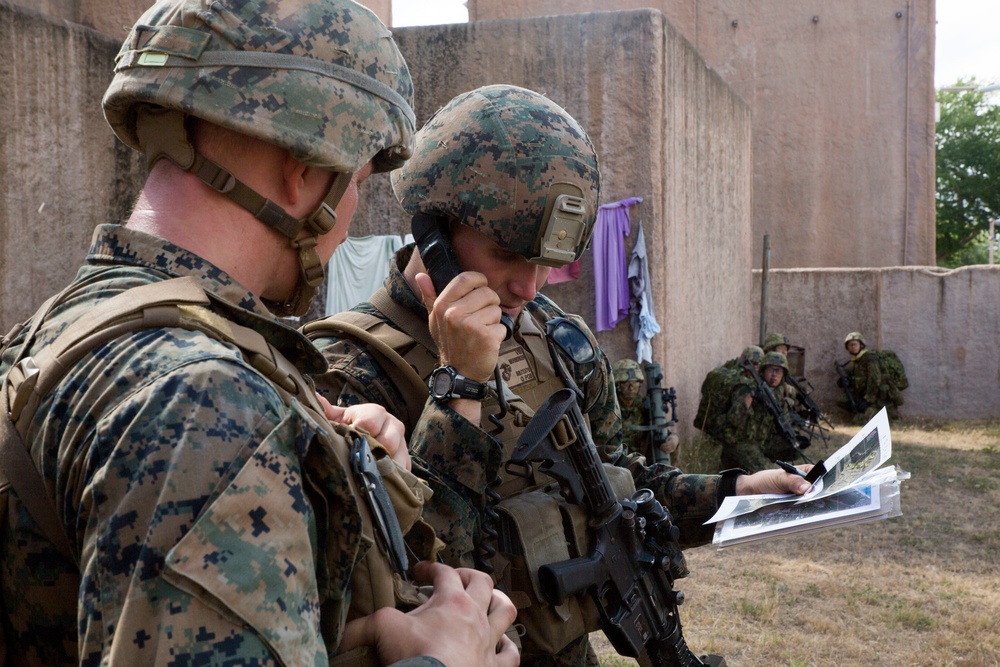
431 235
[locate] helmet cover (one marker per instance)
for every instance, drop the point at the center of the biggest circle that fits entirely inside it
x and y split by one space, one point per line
507 162
321 78
627 370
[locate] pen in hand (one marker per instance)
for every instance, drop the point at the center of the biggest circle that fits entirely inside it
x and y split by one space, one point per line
788 467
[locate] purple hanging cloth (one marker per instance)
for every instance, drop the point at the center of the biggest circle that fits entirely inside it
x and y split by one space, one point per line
610 268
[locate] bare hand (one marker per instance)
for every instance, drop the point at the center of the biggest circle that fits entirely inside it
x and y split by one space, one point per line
463 623
465 323
376 421
772 481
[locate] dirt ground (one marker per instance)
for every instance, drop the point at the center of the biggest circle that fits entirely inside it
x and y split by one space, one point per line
919 589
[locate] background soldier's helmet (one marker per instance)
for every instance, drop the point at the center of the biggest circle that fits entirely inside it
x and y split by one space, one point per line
752 354
628 370
775 359
855 335
773 340
511 164
321 78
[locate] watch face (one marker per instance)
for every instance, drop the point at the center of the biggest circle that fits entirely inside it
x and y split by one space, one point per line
441 383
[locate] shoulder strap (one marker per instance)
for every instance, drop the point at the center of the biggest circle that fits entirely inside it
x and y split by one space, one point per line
351 324
179 302
404 318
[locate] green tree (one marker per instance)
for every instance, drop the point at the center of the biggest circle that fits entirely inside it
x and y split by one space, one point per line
968 174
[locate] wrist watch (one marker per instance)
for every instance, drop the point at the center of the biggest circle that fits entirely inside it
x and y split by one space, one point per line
445 383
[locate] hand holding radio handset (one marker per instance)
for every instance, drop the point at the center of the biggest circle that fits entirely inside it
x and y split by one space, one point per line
465 314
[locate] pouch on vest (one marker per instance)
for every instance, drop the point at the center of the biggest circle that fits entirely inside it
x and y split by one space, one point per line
556 531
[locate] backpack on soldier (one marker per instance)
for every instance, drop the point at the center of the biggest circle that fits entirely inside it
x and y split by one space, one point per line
716 399
892 369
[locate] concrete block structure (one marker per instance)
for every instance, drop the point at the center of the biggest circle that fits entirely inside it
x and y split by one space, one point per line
62 172
944 325
842 104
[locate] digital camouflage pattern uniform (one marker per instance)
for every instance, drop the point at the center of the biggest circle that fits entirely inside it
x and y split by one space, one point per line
198 501
460 458
213 522
518 169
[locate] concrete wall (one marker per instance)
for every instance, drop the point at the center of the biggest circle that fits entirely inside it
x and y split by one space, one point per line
842 100
115 17
691 163
61 170
944 325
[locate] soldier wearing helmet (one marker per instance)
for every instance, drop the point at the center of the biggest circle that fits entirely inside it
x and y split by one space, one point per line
752 439
776 342
630 386
191 500
873 379
513 182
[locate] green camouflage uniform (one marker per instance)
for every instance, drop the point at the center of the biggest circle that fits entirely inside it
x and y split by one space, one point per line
635 442
197 501
518 169
871 388
751 438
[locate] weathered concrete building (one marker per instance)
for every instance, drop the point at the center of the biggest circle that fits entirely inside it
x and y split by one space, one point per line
842 105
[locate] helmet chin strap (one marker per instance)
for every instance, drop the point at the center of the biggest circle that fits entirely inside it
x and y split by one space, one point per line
162 134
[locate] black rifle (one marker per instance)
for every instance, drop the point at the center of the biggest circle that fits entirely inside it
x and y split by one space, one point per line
657 399
766 396
844 382
636 557
811 419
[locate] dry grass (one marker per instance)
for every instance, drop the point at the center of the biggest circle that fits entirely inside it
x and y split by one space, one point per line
919 589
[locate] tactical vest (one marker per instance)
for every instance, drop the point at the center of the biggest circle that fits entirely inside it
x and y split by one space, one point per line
537 526
182 303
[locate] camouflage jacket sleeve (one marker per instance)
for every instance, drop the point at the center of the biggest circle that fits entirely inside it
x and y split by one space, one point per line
458 460
197 536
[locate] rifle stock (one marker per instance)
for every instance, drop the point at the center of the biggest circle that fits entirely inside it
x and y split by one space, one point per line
636 557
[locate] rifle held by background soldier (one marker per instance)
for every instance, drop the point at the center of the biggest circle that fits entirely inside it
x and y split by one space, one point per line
766 396
811 416
844 382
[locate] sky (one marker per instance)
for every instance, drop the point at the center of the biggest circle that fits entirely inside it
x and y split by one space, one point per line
967 44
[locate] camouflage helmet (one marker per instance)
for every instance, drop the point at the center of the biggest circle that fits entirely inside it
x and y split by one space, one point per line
751 354
855 335
627 370
511 164
773 340
775 359
321 78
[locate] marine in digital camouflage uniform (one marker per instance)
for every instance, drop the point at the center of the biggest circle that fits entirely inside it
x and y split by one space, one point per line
470 160
752 439
209 520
